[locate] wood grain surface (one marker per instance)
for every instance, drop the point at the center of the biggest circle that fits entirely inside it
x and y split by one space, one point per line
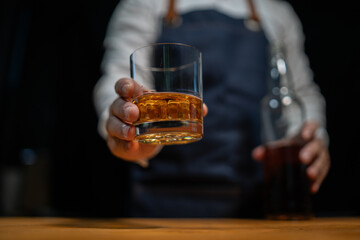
149 229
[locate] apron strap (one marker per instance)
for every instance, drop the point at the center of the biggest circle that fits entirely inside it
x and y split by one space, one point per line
172 18
172 14
253 14
253 22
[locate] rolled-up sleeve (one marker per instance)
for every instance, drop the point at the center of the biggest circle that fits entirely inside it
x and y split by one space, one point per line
301 74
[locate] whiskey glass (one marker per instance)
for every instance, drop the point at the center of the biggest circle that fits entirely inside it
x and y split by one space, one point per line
171 107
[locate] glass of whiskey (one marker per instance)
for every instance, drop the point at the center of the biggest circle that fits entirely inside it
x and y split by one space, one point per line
171 107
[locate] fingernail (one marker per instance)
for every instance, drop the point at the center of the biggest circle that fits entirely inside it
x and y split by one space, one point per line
125 130
125 89
127 110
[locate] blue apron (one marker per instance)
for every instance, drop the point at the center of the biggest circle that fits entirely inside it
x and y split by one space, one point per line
215 177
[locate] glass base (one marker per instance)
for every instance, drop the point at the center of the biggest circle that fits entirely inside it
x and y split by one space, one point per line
169 132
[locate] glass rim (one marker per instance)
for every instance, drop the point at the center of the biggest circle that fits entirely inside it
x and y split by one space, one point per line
166 69
165 43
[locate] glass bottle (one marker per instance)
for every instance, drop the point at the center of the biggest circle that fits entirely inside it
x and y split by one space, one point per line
287 189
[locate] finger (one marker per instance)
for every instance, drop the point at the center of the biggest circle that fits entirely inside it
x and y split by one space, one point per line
127 88
314 169
309 129
123 149
317 184
132 151
119 129
259 153
125 111
310 151
318 171
205 109
149 151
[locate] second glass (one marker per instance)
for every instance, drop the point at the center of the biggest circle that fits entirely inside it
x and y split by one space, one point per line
171 110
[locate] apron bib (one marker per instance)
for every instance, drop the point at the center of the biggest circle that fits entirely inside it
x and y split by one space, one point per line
215 177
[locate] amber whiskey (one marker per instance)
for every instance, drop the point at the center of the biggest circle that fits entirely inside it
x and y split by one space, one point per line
169 118
287 187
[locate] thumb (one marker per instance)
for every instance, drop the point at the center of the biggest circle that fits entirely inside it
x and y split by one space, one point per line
128 88
205 109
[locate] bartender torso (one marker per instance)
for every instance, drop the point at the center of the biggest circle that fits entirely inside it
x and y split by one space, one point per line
215 177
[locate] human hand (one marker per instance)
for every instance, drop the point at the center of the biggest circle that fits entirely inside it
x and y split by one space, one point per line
314 153
120 128
121 131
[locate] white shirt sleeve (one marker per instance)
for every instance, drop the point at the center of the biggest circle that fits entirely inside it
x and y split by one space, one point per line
134 23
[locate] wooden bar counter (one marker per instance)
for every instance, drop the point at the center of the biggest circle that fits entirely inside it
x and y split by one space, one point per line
158 229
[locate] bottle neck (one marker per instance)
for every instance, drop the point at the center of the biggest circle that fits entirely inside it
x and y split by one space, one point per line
278 81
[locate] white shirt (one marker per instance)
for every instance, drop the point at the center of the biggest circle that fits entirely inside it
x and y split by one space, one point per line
137 23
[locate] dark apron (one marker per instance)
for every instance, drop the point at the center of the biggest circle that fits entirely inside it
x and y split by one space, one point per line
215 177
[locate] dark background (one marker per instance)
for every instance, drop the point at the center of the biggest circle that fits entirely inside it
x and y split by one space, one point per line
53 162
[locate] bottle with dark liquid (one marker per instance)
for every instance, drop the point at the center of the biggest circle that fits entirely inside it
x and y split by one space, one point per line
286 189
